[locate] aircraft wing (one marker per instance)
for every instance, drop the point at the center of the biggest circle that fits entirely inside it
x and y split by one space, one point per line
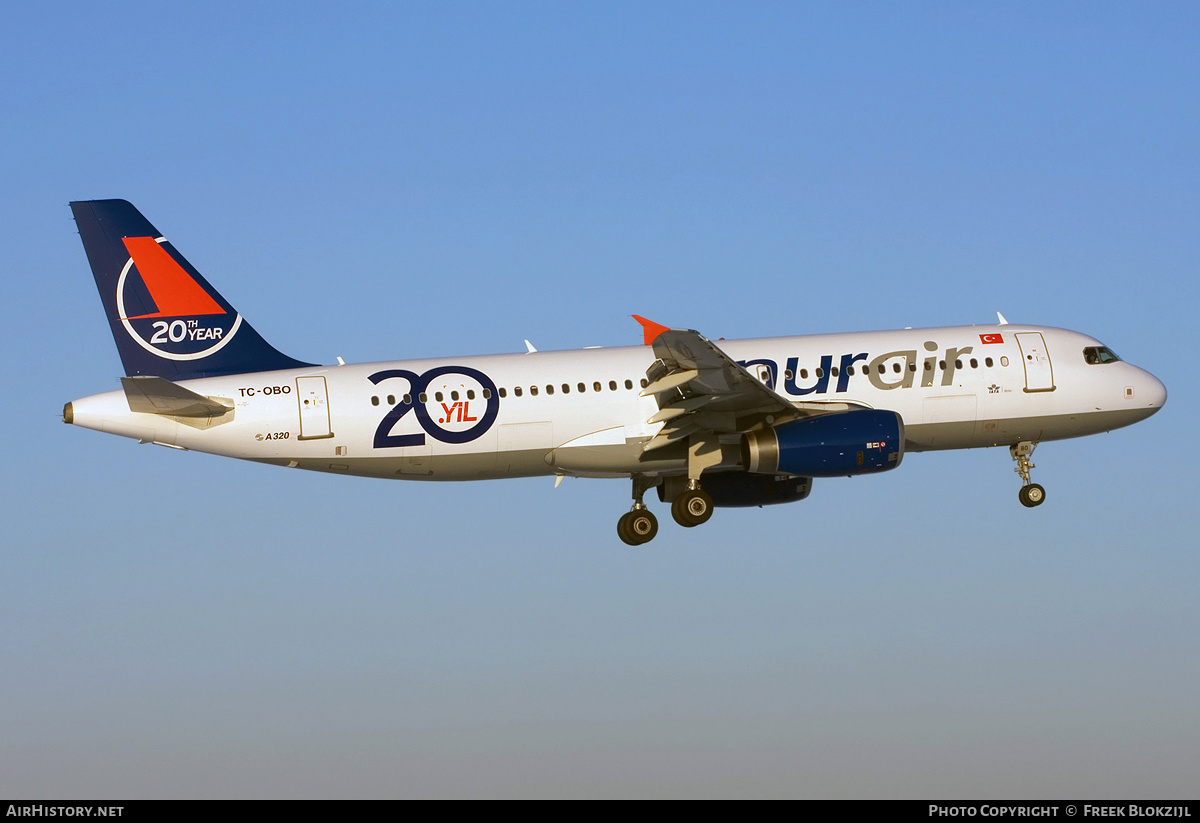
700 388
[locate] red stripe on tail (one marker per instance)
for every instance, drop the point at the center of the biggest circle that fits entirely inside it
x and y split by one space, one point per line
174 292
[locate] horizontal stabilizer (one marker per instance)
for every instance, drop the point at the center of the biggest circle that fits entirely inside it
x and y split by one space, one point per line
157 395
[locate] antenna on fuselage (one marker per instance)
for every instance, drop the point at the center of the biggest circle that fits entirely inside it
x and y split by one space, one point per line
1003 322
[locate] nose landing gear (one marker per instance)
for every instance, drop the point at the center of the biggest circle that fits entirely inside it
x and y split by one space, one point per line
1031 493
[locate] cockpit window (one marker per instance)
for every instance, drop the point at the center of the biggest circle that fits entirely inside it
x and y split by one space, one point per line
1096 355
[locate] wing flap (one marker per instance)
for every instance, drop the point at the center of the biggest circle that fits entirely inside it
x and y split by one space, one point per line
700 388
671 380
673 410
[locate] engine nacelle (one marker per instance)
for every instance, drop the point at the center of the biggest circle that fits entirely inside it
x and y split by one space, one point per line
734 489
731 489
829 445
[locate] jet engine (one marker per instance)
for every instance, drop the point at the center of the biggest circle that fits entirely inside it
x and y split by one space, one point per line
742 489
733 489
828 445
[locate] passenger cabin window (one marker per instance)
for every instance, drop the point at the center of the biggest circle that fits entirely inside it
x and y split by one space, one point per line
1098 355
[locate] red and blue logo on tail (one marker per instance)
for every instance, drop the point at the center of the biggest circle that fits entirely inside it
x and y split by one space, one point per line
166 319
188 323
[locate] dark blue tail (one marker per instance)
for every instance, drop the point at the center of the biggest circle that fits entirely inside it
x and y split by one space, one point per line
167 320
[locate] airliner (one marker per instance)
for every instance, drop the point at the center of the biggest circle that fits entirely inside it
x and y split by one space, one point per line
704 423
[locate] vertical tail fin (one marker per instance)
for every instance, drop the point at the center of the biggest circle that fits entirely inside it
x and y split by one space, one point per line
166 319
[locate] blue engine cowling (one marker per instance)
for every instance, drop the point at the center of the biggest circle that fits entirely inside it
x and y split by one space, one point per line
829 445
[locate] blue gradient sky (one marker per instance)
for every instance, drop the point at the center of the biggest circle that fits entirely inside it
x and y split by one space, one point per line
389 180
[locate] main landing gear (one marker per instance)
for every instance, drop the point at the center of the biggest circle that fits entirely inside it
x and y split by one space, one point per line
691 507
638 525
1031 494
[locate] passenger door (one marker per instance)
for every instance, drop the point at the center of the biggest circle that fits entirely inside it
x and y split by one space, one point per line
1039 375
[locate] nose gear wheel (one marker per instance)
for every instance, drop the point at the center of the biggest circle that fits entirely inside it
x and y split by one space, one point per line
1031 493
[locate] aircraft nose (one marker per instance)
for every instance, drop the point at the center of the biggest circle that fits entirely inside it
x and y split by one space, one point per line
1152 392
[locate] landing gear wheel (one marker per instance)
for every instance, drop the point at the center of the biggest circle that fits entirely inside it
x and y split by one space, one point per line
1032 495
637 527
692 508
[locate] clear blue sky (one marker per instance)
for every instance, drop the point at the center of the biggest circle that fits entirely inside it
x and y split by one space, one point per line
380 181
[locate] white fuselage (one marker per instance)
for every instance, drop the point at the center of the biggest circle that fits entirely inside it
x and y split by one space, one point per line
582 413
